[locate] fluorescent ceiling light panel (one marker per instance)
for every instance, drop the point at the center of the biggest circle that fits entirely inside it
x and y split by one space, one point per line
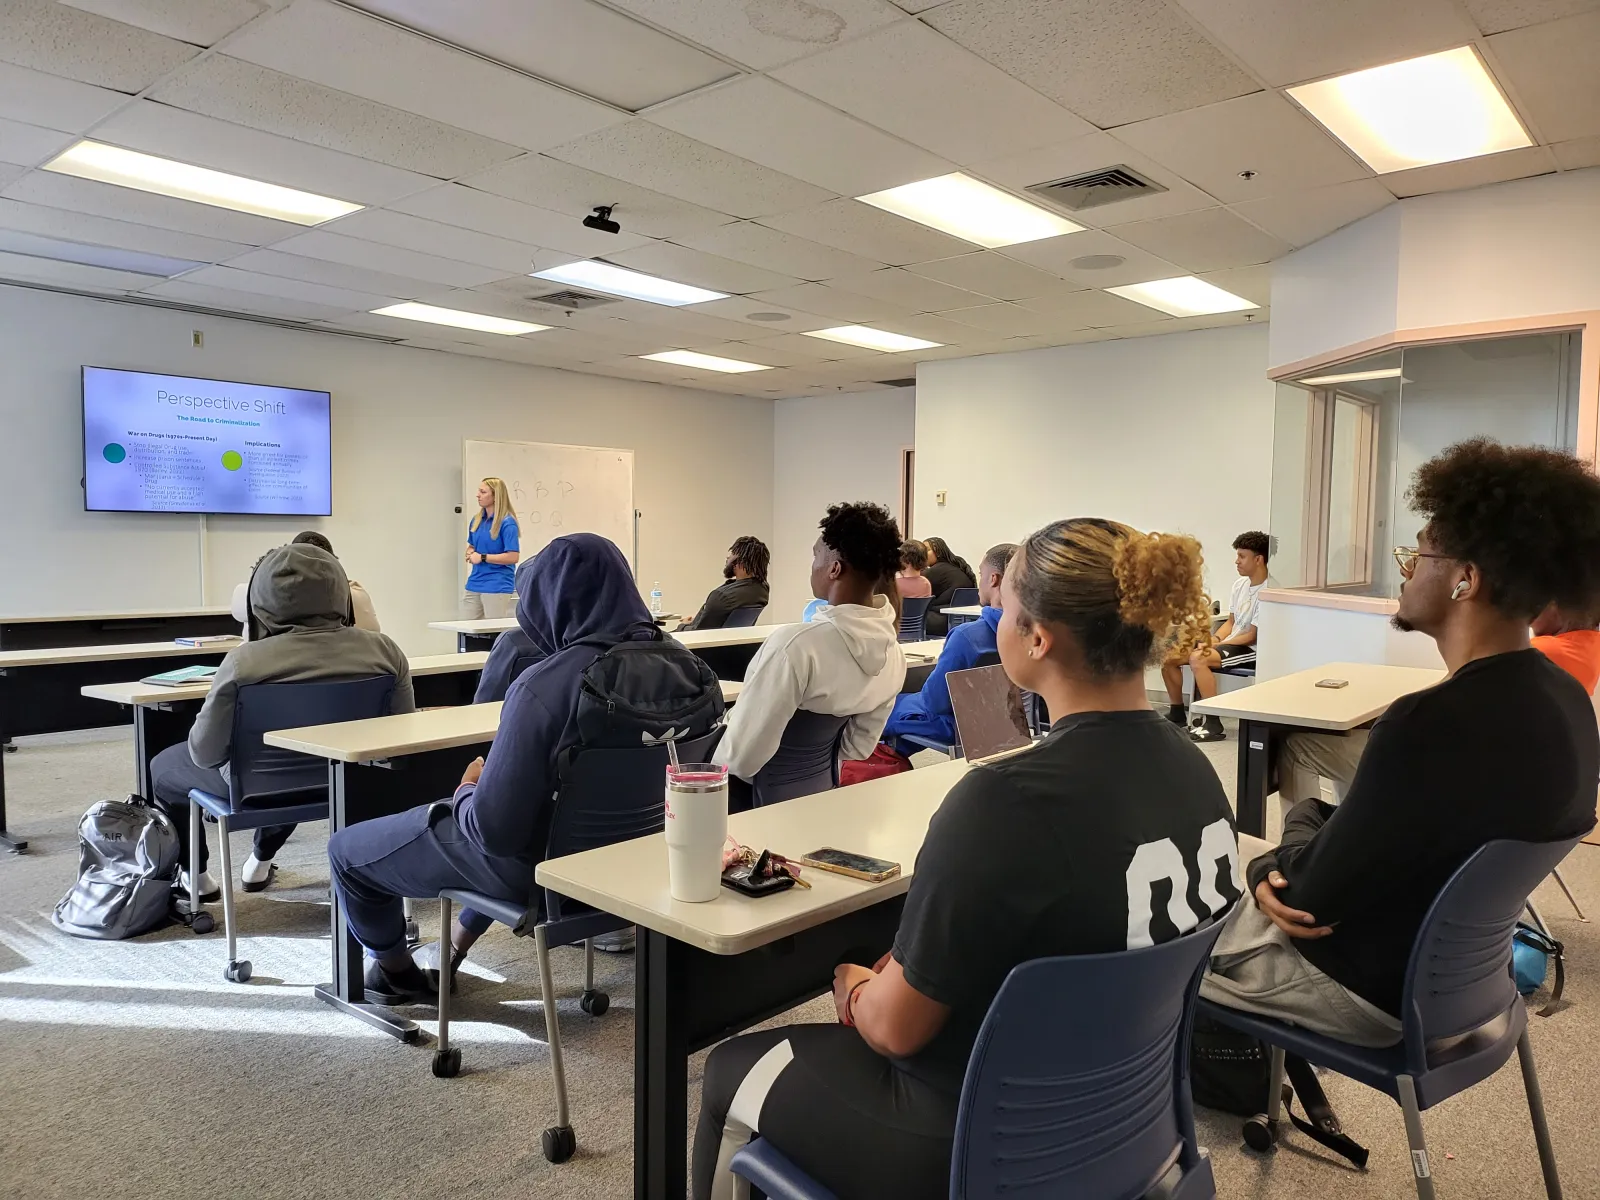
1437 108
872 339
961 205
147 173
1183 296
706 362
1355 376
411 311
635 285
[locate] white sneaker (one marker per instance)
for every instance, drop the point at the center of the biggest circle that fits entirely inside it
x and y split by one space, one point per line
256 874
620 942
209 888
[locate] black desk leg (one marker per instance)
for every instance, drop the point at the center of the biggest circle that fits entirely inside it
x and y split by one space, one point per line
154 729
1255 769
660 1068
349 786
8 840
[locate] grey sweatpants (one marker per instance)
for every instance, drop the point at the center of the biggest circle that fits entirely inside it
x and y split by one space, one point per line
1306 756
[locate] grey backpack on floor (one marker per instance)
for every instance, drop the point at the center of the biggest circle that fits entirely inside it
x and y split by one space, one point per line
127 863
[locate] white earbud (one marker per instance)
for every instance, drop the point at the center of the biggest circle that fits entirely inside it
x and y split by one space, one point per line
1459 588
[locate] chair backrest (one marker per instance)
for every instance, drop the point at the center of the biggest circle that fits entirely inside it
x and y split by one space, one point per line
913 618
810 610
1078 1084
743 618
1459 975
258 772
963 597
807 760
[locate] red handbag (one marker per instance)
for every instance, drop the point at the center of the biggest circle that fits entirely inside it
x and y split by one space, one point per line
882 762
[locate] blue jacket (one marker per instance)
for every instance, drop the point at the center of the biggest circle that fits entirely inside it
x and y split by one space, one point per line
927 713
580 600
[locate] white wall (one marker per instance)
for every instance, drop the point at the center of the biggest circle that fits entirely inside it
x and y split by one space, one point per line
827 449
1171 433
1297 637
1337 291
703 462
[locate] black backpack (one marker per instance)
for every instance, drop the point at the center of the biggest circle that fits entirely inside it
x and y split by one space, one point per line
643 694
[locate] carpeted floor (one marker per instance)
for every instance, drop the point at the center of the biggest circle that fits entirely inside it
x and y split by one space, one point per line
134 1069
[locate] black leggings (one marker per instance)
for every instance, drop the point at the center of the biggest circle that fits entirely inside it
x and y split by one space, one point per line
837 1109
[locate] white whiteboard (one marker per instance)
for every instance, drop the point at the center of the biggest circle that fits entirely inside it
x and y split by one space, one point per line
555 489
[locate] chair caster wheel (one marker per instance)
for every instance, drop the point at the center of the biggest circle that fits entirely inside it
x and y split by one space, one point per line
1260 1134
595 1003
559 1143
446 1063
413 934
202 923
238 972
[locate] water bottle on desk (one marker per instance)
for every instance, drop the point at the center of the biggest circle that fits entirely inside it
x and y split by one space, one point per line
655 599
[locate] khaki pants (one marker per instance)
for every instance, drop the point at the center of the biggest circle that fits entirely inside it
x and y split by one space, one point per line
475 606
1307 756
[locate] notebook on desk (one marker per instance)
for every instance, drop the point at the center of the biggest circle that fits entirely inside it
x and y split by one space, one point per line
989 715
181 676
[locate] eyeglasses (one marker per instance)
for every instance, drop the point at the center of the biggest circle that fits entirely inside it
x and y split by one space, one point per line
1405 558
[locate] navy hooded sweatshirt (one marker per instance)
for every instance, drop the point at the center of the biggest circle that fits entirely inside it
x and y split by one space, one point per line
580 600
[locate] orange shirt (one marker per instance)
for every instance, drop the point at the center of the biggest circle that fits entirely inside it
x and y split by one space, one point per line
1577 653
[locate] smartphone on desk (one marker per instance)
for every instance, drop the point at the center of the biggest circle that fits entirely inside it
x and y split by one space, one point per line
857 866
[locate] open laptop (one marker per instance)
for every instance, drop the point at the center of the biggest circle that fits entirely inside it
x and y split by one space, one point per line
989 715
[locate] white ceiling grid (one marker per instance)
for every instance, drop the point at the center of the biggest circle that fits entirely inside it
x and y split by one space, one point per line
731 136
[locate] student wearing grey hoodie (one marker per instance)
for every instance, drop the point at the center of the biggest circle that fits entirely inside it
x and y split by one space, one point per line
300 628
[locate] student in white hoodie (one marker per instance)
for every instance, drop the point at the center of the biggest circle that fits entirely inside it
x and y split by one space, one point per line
845 662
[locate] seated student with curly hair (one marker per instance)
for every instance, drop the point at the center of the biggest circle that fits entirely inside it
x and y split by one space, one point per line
844 662
1233 644
910 580
1504 748
746 586
1112 833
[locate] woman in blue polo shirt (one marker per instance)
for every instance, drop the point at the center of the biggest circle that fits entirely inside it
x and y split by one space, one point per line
492 549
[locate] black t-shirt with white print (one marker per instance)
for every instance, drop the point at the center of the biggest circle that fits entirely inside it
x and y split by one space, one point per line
1111 834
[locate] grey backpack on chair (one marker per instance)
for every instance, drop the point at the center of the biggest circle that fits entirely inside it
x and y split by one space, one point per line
127 863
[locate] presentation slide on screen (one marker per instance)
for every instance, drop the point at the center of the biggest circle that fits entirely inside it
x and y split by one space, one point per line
165 443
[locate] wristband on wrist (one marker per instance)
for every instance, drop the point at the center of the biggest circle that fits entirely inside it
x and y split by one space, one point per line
850 1002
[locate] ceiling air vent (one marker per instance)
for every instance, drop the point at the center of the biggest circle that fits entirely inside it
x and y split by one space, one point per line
1094 188
571 299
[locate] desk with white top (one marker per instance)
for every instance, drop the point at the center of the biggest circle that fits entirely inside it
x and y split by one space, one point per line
46 630
1267 711
162 716
957 614
707 971
379 767
479 633
40 689
727 651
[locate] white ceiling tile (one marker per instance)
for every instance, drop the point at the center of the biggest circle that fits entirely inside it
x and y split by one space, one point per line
146 208
64 41
759 119
1497 16
1471 172
765 33
1151 327
1555 72
29 145
24 268
1290 41
699 269
70 250
372 256
355 53
776 251
201 22
938 327
1057 255
1300 218
53 102
917 6
411 331
10 173
288 289
1209 240
846 307
563 187
757 316
104 231
245 94
683 322
1575 155
1109 61
921 86
1045 164
773 355
205 141
847 224
825 350
1089 309
991 274
1251 283
1010 319
454 204
336 275
668 162
434 238
181 291
576 43
912 291
1263 133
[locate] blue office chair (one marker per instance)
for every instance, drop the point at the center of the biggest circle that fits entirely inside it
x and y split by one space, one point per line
1460 1008
604 796
960 598
743 618
1078 1085
810 610
913 615
269 786
806 762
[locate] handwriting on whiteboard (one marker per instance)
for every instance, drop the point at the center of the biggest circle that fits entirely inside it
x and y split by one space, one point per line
538 502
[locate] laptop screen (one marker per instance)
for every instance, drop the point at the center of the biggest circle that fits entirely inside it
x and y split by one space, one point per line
988 710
